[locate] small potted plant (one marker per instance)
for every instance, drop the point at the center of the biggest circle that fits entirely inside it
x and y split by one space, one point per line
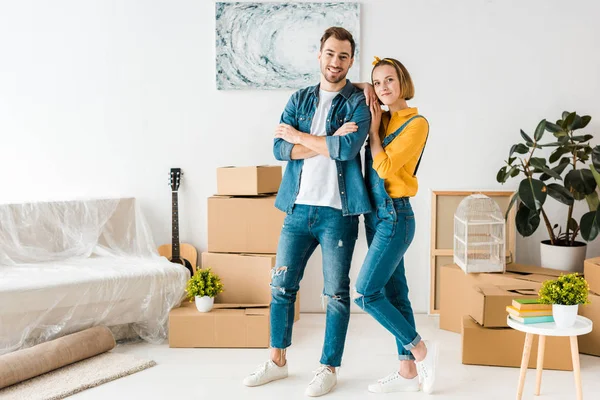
565 294
570 174
203 287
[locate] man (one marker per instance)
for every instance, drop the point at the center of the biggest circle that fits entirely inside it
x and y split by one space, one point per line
322 170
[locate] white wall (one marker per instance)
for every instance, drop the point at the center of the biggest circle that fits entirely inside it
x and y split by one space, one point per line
101 98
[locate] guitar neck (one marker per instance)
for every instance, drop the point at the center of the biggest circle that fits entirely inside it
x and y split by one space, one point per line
175 227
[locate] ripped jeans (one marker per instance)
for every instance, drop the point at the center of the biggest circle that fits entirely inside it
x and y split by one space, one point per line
381 287
303 230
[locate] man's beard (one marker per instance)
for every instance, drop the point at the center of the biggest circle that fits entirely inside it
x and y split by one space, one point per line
341 77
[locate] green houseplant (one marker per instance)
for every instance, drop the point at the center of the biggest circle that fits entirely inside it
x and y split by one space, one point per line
566 176
565 294
202 287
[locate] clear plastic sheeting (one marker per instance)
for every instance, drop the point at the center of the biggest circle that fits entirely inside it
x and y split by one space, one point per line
67 266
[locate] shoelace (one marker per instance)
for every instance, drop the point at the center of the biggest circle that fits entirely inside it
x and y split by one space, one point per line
389 378
320 374
422 370
261 369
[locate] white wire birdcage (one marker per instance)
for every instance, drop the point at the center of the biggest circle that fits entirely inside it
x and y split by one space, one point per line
479 235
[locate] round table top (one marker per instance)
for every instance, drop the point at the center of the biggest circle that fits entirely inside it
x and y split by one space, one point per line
581 327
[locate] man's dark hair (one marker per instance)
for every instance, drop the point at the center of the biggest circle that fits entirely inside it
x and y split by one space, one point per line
340 34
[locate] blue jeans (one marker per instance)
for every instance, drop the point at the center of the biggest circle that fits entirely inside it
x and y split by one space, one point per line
381 284
303 230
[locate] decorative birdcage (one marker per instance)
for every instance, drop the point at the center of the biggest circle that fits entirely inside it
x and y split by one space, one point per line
479 235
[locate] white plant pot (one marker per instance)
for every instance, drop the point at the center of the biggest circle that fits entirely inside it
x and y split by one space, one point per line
204 303
564 258
564 316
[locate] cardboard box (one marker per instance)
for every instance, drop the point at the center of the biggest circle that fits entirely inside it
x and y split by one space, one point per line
243 224
227 326
488 302
591 271
590 343
456 288
532 273
246 278
503 347
248 181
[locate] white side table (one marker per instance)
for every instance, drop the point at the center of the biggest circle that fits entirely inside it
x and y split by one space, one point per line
581 327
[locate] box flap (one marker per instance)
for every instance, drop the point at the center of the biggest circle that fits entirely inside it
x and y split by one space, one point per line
232 305
595 260
530 269
526 288
257 311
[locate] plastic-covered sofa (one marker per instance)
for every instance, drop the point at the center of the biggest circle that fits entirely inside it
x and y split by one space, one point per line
67 266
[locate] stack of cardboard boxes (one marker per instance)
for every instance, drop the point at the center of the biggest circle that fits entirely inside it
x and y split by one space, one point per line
243 232
590 343
475 306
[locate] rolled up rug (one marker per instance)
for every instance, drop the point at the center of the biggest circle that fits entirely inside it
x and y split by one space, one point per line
28 363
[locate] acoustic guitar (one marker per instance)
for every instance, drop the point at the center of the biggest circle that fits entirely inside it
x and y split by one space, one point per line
183 254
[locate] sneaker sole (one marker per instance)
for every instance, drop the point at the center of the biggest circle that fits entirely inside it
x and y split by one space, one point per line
390 390
319 395
264 383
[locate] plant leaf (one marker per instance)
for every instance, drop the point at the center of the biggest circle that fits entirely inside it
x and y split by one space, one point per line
526 137
527 221
560 194
532 193
558 153
553 128
589 225
585 120
538 162
513 171
595 174
593 201
501 175
577 122
569 121
572 225
580 181
596 157
518 148
539 131
583 138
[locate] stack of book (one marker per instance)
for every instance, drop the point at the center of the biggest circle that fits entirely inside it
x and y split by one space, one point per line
530 311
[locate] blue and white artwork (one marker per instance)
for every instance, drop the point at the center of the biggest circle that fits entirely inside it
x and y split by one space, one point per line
275 45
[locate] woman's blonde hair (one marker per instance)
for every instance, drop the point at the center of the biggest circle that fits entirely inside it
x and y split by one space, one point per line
407 89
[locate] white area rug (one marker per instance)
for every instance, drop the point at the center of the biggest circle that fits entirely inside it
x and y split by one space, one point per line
77 377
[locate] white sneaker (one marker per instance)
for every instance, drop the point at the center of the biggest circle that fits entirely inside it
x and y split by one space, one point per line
266 372
322 383
426 367
395 383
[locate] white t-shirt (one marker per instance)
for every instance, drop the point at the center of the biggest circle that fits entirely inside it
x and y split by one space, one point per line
319 179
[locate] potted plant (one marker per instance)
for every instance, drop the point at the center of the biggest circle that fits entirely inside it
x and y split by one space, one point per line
566 177
203 287
565 294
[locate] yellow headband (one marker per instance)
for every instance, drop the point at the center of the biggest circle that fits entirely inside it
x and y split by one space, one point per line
378 60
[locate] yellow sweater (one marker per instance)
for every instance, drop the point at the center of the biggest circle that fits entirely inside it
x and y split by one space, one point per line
396 164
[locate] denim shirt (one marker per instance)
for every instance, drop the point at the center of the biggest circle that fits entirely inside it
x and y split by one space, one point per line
348 105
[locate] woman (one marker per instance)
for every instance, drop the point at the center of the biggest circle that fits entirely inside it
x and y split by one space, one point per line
396 141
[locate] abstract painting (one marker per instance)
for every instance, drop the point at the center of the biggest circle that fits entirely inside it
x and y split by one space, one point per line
275 45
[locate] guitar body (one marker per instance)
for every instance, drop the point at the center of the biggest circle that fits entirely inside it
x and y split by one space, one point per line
188 255
183 254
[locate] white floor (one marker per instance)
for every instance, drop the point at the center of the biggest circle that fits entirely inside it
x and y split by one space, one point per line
217 373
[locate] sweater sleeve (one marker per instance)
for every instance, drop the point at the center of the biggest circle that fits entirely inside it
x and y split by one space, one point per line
402 149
